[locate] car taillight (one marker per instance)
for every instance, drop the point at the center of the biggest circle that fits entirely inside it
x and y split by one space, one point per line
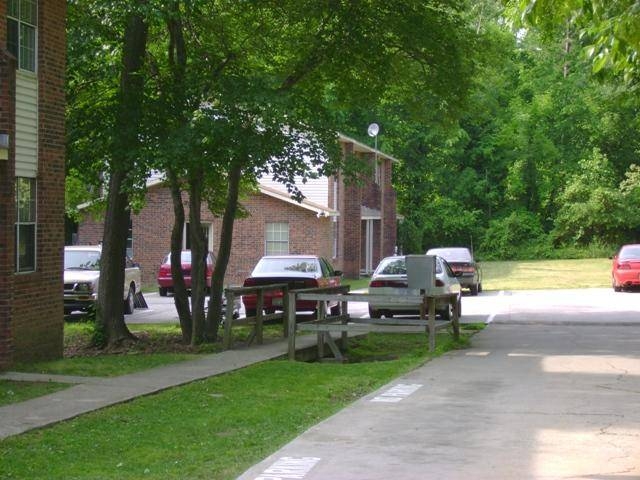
388 283
165 270
624 266
439 283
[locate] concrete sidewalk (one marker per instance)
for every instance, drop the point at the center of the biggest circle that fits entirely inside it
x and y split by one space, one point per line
526 402
91 393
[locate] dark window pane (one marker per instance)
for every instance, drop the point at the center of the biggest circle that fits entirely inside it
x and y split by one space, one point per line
27 48
26 247
26 199
12 8
29 11
12 37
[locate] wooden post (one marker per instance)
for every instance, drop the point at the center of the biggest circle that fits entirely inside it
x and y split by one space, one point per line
285 310
290 315
345 319
320 318
259 319
456 317
432 324
228 319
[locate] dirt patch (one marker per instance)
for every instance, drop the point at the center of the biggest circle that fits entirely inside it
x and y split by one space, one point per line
146 342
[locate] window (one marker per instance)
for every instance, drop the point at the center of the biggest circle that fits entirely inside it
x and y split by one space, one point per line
277 239
130 240
22 20
25 224
207 228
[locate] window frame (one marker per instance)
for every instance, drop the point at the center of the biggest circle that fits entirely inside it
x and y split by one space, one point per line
269 243
20 221
22 21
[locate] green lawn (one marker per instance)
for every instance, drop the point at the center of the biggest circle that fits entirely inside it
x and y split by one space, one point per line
14 392
543 274
214 428
536 275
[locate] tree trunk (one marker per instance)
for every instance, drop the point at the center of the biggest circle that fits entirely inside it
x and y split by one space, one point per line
180 293
214 315
198 259
110 314
177 56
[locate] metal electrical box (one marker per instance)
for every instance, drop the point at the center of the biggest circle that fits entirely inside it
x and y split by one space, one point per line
421 272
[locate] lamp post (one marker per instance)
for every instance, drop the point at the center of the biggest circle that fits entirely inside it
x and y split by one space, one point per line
373 130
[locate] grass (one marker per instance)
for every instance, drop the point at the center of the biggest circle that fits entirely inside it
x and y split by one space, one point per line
14 392
160 345
546 274
214 428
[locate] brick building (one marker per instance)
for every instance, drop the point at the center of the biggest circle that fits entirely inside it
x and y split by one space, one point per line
353 226
32 64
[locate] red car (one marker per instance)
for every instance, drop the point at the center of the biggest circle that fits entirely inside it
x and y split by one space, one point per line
298 271
625 272
165 279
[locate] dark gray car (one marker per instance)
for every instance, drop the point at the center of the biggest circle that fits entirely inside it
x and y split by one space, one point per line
461 261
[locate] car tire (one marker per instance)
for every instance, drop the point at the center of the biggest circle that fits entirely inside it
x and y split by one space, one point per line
616 288
479 287
250 312
162 291
374 313
446 314
129 304
335 310
474 289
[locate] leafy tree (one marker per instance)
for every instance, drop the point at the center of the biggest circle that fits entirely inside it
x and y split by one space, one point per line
609 31
592 207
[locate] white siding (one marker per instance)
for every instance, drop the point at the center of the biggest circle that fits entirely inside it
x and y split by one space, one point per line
315 190
26 125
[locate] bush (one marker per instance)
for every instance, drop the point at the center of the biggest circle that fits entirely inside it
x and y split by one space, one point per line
518 235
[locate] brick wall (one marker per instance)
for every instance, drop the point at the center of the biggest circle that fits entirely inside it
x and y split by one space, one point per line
152 233
7 168
35 314
349 203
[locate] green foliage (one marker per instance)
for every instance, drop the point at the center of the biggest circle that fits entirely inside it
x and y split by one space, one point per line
592 208
506 237
609 32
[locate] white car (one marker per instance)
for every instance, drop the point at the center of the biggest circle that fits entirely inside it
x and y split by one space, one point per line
81 276
390 278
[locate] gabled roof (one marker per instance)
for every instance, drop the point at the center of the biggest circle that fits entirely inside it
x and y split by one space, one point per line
363 148
320 210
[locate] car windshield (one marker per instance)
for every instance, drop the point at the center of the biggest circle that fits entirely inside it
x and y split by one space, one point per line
269 265
392 266
452 254
397 266
630 253
81 260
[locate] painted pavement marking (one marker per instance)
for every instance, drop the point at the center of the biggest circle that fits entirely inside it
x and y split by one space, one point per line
397 393
289 468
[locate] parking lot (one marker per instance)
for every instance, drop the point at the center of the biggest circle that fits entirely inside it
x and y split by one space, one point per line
577 306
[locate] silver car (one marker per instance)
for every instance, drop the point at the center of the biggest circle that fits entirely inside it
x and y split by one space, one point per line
82 274
390 278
